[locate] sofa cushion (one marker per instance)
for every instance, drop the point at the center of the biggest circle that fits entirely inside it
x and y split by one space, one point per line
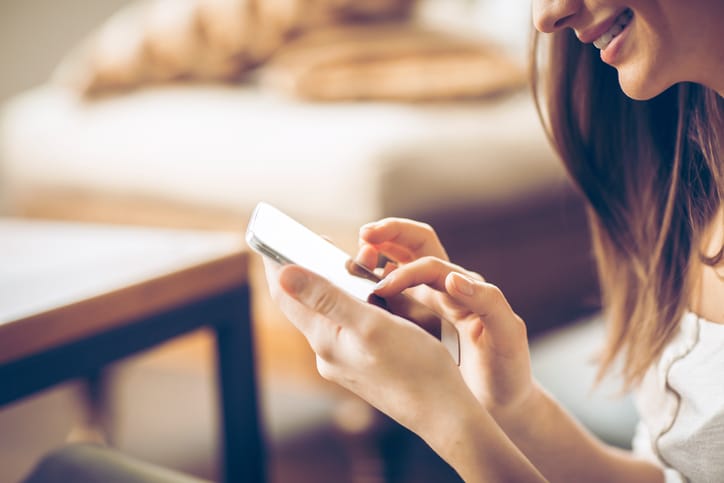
232 146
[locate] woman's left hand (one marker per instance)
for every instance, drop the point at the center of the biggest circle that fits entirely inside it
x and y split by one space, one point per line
390 362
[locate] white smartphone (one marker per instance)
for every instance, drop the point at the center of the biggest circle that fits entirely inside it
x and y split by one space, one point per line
281 238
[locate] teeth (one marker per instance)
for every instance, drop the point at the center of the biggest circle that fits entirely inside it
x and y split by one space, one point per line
603 41
621 22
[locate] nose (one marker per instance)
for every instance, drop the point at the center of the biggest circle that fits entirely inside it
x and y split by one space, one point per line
552 15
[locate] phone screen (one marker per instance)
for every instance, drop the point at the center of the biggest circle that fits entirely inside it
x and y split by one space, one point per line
278 236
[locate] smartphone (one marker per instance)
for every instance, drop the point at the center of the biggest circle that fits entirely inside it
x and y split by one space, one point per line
279 237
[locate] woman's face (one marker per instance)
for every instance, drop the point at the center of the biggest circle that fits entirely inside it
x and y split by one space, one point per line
652 43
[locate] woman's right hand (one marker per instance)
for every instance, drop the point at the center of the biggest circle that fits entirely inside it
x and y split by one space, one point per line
494 359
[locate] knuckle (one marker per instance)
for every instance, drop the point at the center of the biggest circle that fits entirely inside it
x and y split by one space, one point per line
323 350
496 298
391 222
521 326
427 227
369 334
326 370
495 293
428 260
321 339
432 264
324 302
475 276
430 233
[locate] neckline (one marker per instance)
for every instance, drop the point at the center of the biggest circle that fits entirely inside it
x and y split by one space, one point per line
699 318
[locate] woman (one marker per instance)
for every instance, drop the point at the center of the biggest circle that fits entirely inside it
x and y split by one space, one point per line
651 173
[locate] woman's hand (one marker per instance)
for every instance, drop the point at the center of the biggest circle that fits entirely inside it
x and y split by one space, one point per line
390 362
494 360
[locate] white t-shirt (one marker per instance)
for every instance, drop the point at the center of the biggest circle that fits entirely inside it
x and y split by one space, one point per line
681 404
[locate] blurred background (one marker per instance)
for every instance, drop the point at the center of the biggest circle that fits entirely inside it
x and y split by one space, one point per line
185 113
37 34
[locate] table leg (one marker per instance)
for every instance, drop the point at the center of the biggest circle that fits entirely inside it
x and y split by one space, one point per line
95 426
243 455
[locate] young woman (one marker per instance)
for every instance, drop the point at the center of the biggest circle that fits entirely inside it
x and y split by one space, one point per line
633 101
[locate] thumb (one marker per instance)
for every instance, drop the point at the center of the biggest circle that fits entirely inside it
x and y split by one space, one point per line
317 294
501 324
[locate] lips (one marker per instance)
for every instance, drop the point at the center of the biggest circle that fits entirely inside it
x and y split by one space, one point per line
616 28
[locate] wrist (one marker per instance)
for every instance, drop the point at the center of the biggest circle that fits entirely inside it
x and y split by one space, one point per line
459 422
472 442
458 435
517 420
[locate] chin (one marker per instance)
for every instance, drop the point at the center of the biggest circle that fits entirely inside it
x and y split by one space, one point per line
639 85
636 93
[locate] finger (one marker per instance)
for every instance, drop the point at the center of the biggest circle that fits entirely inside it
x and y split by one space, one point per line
429 271
322 333
388 268
501 323
289 306
403 240
271 270
367 256
318 295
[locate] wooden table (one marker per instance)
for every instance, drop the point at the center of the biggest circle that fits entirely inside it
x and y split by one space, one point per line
76 297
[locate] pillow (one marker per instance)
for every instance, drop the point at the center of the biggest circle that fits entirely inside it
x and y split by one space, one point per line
390 61
162 40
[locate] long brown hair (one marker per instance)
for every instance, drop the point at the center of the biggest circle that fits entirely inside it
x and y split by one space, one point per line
651 173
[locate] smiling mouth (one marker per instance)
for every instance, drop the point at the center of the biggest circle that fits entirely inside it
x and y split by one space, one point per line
618 26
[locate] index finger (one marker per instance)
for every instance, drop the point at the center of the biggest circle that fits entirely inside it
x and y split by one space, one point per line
403 240
507 330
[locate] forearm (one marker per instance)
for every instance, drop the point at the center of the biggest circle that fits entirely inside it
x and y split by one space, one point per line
470 440
563 450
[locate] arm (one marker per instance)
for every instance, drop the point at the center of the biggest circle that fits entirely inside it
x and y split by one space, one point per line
495 362
563 450
496 366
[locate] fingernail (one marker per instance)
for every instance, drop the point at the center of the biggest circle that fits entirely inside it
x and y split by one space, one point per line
294 280
463 284
382 283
